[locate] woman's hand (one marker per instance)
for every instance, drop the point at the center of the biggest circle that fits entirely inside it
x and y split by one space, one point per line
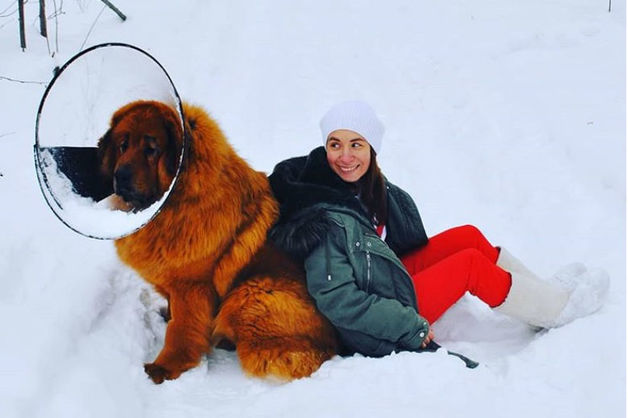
430 337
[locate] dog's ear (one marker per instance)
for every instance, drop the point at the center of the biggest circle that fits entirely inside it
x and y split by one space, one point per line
106 153
172 152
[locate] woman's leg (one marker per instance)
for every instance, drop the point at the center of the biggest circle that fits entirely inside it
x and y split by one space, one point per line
461 259
443 283
446 244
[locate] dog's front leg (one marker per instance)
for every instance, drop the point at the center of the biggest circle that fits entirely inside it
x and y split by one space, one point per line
192 308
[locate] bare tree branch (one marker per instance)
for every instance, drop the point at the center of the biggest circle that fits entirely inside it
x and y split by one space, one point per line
115 9
43 24
22 81
43 27
20 6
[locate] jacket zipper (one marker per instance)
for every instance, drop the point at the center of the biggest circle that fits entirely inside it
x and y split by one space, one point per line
368 270
395 262
328 260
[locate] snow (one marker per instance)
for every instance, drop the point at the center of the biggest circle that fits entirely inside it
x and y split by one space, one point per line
502 114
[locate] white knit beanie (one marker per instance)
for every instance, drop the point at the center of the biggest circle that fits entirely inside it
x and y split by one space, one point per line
355 116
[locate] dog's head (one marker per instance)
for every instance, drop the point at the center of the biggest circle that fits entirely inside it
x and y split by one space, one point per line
140 152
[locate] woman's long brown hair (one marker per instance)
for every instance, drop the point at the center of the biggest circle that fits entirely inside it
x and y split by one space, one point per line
372 192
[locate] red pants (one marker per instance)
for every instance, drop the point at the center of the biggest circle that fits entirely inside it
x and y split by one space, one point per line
453 262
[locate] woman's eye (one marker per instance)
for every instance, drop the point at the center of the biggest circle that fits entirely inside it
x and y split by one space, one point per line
356 145
124 145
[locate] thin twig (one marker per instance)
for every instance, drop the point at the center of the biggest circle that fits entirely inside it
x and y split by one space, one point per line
22 81
12 4
57 13
8 14
92 27
7 134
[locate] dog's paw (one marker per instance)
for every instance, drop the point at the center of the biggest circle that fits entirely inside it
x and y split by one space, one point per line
159 373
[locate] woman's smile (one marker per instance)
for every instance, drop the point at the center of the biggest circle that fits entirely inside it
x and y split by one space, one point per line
348 169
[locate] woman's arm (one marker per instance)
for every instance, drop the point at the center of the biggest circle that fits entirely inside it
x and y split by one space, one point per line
404 224
348 307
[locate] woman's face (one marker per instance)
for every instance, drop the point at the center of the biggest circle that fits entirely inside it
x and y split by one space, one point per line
348 154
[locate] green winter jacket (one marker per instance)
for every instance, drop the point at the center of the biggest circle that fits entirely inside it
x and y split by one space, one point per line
356 278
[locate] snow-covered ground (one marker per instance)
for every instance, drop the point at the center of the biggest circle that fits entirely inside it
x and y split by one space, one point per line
509 115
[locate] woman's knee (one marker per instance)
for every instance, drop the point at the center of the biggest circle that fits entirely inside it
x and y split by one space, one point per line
470 231
468 236
469 255
474 238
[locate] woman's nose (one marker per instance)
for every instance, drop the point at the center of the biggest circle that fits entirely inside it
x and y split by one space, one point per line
346 155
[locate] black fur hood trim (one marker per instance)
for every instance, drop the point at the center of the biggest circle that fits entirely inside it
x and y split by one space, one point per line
302 185
302 233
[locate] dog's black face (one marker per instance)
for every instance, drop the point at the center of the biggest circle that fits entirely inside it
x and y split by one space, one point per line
140 152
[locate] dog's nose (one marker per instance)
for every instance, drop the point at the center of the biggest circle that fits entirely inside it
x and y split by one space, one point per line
123 176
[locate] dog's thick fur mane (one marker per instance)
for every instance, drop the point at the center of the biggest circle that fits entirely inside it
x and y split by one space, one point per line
193 242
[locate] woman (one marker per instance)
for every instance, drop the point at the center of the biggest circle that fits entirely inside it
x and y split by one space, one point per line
370 266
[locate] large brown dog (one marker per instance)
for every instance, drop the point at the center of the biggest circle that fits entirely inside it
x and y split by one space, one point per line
207 252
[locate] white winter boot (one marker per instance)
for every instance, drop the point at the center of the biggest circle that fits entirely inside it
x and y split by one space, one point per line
571 293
